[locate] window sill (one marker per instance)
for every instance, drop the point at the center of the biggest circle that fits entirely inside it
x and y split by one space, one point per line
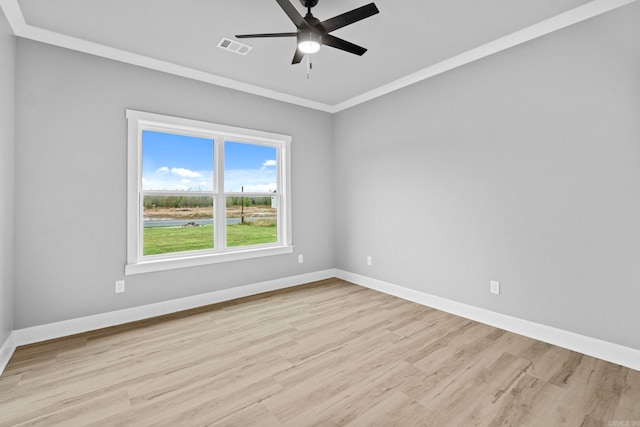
198 260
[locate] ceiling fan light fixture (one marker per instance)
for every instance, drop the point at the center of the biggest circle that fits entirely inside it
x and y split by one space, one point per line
309 41
309 46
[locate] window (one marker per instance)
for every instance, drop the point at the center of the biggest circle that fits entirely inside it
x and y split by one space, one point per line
200 193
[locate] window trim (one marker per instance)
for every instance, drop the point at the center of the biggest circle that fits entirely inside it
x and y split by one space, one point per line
137 121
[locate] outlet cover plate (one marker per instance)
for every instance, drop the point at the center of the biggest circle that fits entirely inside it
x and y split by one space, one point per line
494 287
119 286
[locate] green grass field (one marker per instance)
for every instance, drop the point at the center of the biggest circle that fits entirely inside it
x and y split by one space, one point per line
162 240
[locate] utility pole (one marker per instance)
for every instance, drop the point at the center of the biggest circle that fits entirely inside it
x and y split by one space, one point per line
242 201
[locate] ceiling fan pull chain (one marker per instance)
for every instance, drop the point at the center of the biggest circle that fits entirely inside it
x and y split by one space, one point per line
308 67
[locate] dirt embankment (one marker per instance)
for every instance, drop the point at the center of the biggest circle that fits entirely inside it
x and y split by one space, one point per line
203 213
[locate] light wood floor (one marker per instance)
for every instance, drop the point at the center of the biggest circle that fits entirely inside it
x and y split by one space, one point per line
323 354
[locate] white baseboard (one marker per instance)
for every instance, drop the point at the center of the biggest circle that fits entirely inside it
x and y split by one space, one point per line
6 351
615 353
89 323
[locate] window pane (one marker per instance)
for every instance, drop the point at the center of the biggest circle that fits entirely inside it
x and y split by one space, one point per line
177 224
251 220
249 167
176 162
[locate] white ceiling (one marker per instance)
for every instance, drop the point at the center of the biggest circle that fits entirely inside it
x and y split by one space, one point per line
408 40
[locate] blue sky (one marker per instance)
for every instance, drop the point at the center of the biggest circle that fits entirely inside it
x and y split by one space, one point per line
176 162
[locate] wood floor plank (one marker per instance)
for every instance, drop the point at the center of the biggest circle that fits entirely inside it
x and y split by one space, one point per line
629 406
531 402
396 409
326 353
253 415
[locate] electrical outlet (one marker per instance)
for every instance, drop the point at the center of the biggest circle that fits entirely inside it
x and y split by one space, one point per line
119 286
300 259
369 260
494 287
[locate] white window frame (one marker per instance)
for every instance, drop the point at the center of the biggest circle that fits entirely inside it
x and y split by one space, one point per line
139 121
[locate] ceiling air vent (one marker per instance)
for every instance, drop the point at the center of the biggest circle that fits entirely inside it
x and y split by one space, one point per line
234 46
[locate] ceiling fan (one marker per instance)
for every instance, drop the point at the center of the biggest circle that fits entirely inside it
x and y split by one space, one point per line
312 32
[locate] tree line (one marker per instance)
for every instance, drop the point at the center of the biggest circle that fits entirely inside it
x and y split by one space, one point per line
151 202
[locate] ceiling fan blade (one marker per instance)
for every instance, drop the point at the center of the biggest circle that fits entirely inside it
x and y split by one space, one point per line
293 13
248 36
297 57
347 18
334 41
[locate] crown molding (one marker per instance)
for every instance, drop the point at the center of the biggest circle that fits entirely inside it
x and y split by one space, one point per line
20 28
13 13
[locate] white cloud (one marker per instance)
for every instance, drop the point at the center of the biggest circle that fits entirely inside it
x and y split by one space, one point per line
186 173
177 182
162 170
262 188
263 180
268 163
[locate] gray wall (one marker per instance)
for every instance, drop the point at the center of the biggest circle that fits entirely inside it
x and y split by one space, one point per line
7 182
71 183
523 167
